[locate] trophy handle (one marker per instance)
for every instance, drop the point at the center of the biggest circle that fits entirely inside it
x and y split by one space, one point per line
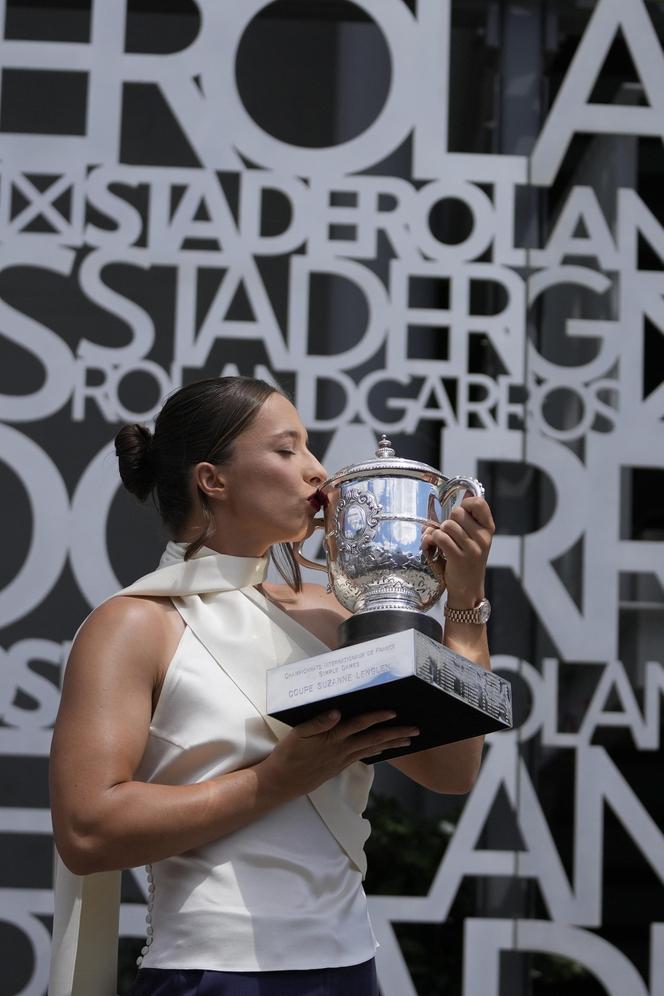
299 556
453 491
450 495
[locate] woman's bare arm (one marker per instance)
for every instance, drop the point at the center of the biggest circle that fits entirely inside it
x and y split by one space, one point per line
103 818
465 540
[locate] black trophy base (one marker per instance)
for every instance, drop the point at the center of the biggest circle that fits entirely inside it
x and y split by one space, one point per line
446 696
384 622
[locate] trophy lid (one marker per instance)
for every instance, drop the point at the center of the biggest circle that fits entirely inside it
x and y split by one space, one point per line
387 463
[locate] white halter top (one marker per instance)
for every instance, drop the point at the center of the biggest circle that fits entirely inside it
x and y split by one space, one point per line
283 892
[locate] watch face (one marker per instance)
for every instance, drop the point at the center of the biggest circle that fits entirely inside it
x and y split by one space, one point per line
484 609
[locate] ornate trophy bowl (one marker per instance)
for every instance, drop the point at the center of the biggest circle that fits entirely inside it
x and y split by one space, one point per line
374 518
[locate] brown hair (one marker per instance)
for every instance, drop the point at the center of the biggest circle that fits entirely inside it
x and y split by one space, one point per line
197 424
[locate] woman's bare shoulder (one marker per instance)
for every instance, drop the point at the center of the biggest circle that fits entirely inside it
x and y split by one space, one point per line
312 596
315 596
130 625
313 607
147 608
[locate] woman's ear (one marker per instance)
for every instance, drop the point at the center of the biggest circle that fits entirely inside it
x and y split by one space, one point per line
209 479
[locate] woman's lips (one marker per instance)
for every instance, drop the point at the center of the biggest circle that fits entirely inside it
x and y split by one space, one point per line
318 500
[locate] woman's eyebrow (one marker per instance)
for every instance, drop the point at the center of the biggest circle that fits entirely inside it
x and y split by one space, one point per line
292 434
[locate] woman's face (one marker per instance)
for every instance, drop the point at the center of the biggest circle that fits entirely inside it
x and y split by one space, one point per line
266 485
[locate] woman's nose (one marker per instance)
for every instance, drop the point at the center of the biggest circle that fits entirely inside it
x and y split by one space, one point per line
317 473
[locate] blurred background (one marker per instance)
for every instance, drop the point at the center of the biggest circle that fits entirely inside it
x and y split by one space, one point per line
438 219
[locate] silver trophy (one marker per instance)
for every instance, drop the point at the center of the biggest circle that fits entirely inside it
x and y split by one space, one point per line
374 516
390 655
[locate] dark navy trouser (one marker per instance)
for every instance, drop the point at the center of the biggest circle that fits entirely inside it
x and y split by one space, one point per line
356 980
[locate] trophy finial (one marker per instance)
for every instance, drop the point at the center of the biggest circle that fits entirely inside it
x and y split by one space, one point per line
385 448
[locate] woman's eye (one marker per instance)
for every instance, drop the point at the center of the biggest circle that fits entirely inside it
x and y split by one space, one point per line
287 452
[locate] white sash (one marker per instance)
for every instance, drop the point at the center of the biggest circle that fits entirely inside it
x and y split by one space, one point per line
245 634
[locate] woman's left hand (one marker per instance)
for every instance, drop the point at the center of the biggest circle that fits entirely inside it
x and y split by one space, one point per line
463 542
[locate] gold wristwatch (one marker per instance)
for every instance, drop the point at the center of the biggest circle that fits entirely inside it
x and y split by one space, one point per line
479 614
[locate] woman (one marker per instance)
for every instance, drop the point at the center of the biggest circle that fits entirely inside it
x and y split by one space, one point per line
252 833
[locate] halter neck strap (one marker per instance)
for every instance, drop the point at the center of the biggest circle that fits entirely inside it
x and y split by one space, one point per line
206 572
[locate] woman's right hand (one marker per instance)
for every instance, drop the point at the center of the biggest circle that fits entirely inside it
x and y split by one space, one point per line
322 747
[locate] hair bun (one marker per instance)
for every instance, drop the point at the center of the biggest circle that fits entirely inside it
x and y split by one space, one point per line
134 448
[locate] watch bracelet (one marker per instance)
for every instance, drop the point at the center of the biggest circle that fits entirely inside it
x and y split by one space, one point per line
462 615
473 615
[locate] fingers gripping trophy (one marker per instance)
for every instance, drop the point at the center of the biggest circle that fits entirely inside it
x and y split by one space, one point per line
376 519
